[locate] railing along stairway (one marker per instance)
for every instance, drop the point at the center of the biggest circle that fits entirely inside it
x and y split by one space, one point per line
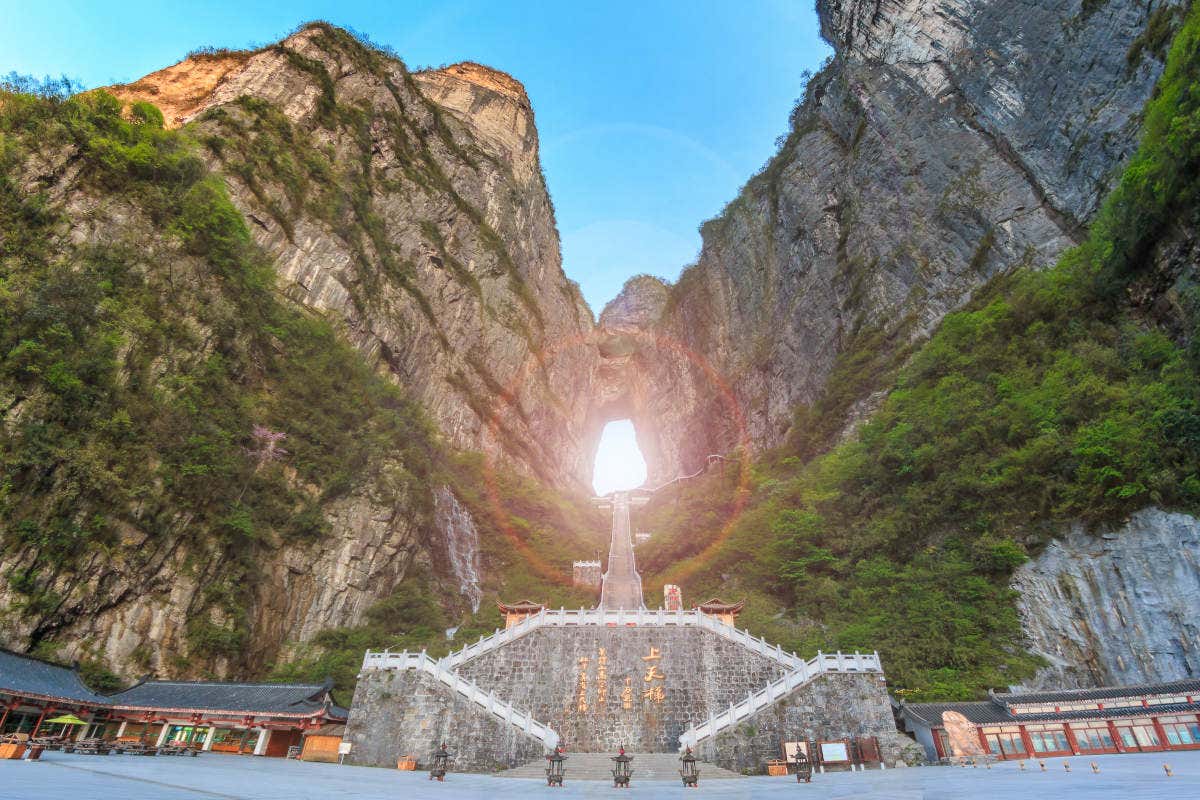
642 617
808 670
462 687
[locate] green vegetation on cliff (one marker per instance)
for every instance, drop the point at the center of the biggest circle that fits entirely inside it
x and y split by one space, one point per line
1052 398
528 537
134 367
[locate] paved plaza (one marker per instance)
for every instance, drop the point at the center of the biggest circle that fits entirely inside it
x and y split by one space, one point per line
73 777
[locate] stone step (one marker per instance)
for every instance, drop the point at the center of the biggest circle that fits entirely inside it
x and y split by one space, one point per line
598 767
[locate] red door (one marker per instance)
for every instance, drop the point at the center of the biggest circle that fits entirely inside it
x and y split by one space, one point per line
280 741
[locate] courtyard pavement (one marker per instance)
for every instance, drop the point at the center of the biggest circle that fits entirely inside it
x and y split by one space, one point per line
59 776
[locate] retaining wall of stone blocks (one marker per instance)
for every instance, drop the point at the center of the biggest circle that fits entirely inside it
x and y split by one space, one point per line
672 676
829 707
600 687
397 713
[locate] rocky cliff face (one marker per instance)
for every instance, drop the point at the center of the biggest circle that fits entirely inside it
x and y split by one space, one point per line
435 243
409 210
942 146
1115 608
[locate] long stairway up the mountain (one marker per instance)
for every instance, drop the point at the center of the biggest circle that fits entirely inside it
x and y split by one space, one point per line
622 585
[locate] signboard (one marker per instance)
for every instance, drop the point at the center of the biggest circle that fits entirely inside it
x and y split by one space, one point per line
834 751
344 748
791 749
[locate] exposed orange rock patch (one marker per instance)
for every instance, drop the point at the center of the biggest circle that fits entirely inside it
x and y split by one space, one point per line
181 91
488 78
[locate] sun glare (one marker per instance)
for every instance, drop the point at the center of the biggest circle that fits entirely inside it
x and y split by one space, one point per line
619 463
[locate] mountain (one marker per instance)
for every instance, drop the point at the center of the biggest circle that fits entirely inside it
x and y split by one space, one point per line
306 240
940 147
957 320
289 365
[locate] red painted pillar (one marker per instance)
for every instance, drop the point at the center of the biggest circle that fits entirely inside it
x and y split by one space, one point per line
1027 741
1071 740
982 739
1116 737
41 717
1162 734
9 706
937 742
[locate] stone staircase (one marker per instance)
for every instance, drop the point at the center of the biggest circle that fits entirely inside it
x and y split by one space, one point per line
598 767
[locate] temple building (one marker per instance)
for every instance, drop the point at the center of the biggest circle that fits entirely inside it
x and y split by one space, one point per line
32 690
726 612
516 612
1120 719
259 718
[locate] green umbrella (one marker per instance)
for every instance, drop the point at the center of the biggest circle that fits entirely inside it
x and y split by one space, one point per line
66 719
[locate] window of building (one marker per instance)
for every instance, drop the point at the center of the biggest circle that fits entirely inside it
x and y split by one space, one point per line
186 735
1138 734
1004 740
1092 735
1181 730
1048 738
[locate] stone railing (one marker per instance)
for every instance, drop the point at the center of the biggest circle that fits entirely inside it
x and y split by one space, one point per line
461 686
824 663
641 617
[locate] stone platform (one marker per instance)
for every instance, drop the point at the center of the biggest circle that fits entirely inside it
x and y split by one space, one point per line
618 675
652 681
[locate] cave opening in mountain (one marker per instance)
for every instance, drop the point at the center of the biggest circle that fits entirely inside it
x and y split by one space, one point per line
619 463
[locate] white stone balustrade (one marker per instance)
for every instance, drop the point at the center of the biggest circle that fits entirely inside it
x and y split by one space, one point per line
465 688
799 670
821 664
635 617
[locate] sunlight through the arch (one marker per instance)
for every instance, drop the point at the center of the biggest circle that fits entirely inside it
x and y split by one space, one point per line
619 464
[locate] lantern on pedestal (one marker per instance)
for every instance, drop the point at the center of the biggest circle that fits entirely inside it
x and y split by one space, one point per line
440 759
688 771
554 770
803 768
621 769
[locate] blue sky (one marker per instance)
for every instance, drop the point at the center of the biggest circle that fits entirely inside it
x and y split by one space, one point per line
651 115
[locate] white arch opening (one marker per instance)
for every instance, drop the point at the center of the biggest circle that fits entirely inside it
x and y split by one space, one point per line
619 464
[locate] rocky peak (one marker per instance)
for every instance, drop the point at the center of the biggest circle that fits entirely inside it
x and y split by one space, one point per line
895 31
639 305
495 106
184 90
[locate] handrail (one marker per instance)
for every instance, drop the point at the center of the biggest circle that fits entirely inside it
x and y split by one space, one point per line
499 709
756 701
708 460
602 618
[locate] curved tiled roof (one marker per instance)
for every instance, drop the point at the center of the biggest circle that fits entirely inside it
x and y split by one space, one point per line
279 699
979 712
996 708
1189 687
26 675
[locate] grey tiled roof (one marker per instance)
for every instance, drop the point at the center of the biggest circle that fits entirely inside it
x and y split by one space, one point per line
995 709
1190 687
1111 713
284 699
981 711
21 674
